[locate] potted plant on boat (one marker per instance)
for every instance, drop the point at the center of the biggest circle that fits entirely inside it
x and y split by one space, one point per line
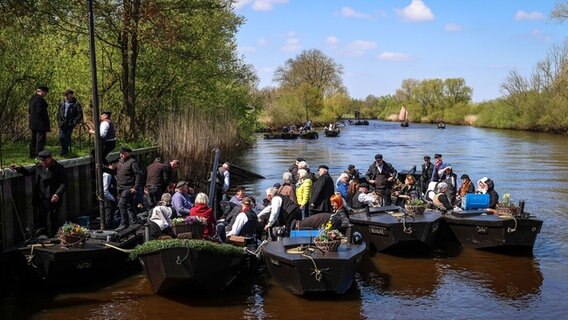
415 206
72 235
191 224
328 239
506 207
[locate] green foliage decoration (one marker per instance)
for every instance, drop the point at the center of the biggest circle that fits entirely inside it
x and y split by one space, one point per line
202 245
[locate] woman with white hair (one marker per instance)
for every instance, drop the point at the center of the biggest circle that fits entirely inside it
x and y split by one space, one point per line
441 200
342 185
160 219
287 188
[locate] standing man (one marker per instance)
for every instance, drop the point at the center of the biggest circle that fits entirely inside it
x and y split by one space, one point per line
439 167
129 181
38 121
322 190
108 135
48 186
69 115
171 175
382 175
426 176
156 177
110 190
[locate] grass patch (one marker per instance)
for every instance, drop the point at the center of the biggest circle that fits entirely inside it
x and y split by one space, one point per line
202 245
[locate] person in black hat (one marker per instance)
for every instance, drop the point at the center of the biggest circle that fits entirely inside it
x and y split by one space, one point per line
48 186
426 176
38 121
69 115
382 176
293 169
322 190
439 167
107 134
129 180
352 172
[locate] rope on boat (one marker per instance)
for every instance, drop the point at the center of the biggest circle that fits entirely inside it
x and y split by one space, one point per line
257 252
180 261
402 217
117 248
510 216
318 273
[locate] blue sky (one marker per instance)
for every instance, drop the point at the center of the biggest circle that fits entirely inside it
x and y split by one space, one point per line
380 43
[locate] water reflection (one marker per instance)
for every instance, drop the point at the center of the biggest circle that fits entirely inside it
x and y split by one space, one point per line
506 277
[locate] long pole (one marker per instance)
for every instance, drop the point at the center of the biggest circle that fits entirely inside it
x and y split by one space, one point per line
98 164
214 168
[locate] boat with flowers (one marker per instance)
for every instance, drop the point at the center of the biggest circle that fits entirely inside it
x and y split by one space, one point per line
314 264
392 228
509 227
76 253
190 266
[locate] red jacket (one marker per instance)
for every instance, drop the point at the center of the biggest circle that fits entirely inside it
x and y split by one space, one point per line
202 210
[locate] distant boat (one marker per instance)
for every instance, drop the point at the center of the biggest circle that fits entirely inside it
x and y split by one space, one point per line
403 117
359 122
441 125
332 132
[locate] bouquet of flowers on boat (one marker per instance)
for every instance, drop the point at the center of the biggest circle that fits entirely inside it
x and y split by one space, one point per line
72 235
506 207
189 224
328 239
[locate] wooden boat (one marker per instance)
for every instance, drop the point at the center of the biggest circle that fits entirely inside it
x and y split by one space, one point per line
301 268
190 266
479 230
57 263
390 228
403 117
332 133
309 135
282 135
359 122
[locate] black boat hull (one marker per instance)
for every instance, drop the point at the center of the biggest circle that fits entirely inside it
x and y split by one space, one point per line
386 232
493 232
190 271
297 273
332 133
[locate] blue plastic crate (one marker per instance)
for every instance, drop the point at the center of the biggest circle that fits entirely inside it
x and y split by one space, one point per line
473 201
304 233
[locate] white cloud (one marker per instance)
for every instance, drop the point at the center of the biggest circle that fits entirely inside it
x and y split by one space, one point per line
522 15
259 5
452 27
393 56
349 12
359 48
247 49
331 41
416 11
538 35
262 41
292 43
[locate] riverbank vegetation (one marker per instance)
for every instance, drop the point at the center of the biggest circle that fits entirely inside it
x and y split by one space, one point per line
157 61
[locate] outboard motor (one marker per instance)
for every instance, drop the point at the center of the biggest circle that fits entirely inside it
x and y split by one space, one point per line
356 238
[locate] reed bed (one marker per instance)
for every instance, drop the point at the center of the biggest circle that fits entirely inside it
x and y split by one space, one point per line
191 135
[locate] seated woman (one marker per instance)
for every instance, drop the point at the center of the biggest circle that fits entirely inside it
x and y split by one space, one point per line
342 184
339 217
160 218
201 209
487 186
465 188
409 191
440 199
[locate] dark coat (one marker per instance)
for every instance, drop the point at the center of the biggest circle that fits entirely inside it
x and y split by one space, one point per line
38 116
322 190
493 195
157 175
128 174
46 181
74 114
381 178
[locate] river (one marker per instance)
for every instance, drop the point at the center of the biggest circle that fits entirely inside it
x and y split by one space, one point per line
471 285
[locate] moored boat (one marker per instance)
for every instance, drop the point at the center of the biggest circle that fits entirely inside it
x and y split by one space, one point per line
104 252
479 230
190 266
391 228
282 135
309 135
302 268
359 122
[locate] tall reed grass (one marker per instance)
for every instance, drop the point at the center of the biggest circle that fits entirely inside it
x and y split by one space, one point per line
191 135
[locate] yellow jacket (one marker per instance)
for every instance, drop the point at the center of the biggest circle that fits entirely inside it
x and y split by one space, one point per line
303 192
